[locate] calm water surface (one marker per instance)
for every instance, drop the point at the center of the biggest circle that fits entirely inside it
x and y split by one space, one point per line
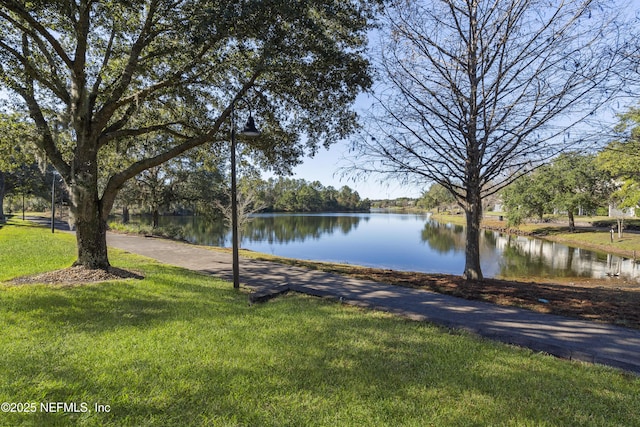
411 242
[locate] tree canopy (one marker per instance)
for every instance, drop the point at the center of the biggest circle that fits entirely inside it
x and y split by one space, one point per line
621 158
299 195
435 197
116 88
570 183
17 138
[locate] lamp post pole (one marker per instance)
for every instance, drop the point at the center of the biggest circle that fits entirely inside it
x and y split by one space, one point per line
53 202
234 204
248 130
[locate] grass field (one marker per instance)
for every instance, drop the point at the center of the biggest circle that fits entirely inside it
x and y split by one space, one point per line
182 349
28 249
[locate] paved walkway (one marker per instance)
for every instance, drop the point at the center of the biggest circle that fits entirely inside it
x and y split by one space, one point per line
563 337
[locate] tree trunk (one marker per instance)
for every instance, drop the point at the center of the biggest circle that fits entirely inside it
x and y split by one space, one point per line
156 218
91 221
91 237
572 221
473 211
620 227
125 215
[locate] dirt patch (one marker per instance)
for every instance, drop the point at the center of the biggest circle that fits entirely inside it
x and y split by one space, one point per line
76 276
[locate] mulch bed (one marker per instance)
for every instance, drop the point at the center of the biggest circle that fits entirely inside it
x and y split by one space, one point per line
76 275
608 300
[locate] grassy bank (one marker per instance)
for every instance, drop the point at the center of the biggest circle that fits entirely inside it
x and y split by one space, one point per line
180 348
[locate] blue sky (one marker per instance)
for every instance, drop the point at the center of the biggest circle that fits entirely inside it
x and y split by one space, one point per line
325 167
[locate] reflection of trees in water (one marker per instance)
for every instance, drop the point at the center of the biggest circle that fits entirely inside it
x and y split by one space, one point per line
297 228
443 238
490 238
526 257
520 256
210 233
272 229
199 230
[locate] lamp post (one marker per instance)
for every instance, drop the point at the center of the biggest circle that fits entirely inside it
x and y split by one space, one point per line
251 131
53 202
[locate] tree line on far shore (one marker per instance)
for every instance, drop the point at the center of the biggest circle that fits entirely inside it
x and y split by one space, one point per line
187 187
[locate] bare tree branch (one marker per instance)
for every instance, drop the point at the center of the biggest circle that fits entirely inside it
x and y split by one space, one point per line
478 92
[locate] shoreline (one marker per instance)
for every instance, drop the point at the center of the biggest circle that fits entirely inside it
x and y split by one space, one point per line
607 300
558 232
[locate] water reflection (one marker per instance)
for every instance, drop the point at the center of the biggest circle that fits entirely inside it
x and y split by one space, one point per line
269 228
443 238
283 229
405 242
518 256
523 256
451 238
194 229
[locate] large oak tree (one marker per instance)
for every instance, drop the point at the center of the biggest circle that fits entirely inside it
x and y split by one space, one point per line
111 74
476 93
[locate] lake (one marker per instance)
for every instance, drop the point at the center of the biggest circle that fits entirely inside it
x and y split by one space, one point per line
410 242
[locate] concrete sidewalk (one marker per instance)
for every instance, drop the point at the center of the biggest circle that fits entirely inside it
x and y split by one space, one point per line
563 337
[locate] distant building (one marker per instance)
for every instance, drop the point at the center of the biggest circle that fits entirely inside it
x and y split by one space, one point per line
614 212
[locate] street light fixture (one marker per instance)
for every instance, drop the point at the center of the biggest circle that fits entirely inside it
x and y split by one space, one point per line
249 130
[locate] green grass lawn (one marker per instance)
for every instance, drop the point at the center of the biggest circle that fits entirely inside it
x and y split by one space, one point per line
29 249
183 349
601 240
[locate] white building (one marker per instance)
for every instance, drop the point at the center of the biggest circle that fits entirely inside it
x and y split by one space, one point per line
614 212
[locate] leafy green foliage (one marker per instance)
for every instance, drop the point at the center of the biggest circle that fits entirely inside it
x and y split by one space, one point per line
622 160
298 195
18 170
436 197
569 183
16 136
527 197
575 182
